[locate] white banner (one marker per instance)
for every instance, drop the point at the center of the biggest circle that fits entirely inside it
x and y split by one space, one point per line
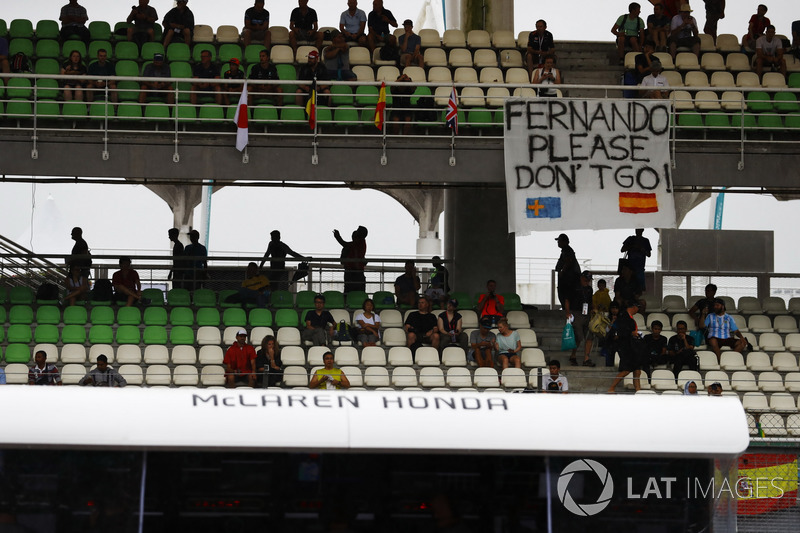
587 164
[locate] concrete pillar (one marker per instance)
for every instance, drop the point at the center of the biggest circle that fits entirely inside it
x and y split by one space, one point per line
477 240
489 15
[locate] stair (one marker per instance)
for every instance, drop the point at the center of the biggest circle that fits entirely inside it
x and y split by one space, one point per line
589 63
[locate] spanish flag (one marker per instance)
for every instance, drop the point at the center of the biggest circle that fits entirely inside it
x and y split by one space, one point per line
380 109
767 482
637 202
311 105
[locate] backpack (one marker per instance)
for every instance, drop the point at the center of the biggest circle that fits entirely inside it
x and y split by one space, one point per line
20 63
425 109
389 53
47 291
103 291
342 332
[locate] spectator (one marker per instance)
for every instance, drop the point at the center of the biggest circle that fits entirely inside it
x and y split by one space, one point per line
5 66
671 7
196 274
715 10
680 350
240 361
255 287
439 283
577 306
420 326
626 337
658 28
127 286
378 22
264 71
141 22
755 28
103 375
567 268
313 69
554 381
318 322
629 30
337 59
77 285
178 24
178 271
352 24
278 250
233 73
626 286
601 301
410 46
80 255
508 345
256 25
205 70
481 342
450 328
610 345
73 22
329 377
684 32
2 377
303 26
655 351
690 388
637 247
156 89
42 372
368 324
269 367
74 67
644 61
402 113
715 389
98 70
704 307
547 75
407 285
769 53
722 331
795 41
540 47
490 305
352 256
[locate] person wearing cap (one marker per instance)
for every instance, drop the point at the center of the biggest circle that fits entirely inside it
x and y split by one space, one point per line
141 22
378 22
234 72
278 250
684 32
127 286
490 304
410 46
756 27
103 375
450 327
420 326
628 344
303 26
256 25
319 321
205 70
658 28
178 24
152 89
547 75
629 30
481 344
312 69
352 24
439 282
722 331
264 70
715 389
567 268
577 309
102 68
352 256
329 377
240 361
540 46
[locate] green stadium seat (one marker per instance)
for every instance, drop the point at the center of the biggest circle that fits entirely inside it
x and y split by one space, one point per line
368 116
20 29
265 114
287 72
94 46
127 68
770 122
199 49
156 296
156 112
2 321
355 299
150 49
181 335
205 298
512 301
305 299
47 89
128 335
186 113
155 316
717 121
252 53
346 117
45 334
126 50
793 121
333 300
480 118
690 119
179 298
3 295
47 48
748 122
383 300
234 317
98 110
229 50
367 95
281 300
794 80
21 295
18 353
420 92
19 109
260 318
76 314
128 111
211 113
118 29
786 103
128 91
759 102
100 30
74 110
129 316
292 115
181 316
47 109
47 29
208 316
101 334
19 88
73 334
3 28
223 298
341 95
286 318
20 45
48 314
155 335
73 44
20 314
19 333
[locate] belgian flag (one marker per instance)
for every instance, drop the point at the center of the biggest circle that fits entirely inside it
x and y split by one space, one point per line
311 105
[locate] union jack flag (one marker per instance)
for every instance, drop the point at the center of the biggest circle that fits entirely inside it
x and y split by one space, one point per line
452 111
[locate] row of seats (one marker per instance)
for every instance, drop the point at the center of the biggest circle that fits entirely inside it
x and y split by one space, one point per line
739 381
702 80
754 323
709 62
773 425
747 305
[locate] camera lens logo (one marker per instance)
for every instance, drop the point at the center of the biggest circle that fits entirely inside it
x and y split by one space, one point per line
586 509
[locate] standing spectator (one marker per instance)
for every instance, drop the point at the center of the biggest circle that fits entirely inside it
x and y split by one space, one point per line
715 10
74 67
680 350
420 326
269 367
670 7
178 271
98 70
490 304
278 250
127 286
769 53
352 256
410 46
481 342
80 255
626 286
352 24
407 285
42 372
178 24
264 71
337 59
567 268
658 28
319 324
722 331
683 32
626 338
103 375
704 307
73 22
256 25
234 72
508 345
578 309
450 327
546 76
196 273
439 283
156 89
313 69
240 361
205 70
629 30
303 26
329 377
755 28
368 324
555 381
402 112
378 21
255 287
540 47
638 246
77 285
141 22
795 41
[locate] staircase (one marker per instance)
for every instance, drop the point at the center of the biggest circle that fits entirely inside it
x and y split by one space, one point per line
21 267
586 63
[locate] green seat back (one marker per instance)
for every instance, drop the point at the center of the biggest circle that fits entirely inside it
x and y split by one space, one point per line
48 48
228 51
155 335
126 50
73 44
205 298
156 296
367 95
786 103
181 316
759 102
2 321
690 119
150 49
46 334
512 301
198 49
252 52
211 113
234 317
20 314
20 28
94 46
181 335
74 109
333 300
305 299
20 45
76 314
155 316
223 297
156 112
101 334
383 300
73 334
286 318
480 118
130 316
287 72
21 295
129 111
47 29
208 316
717 121
265 114
793 121
127 68
100 30
19 88
19 109
18 353
355 299
260 317
748 122
341 95
794 80
770 122
47 108
128 335
179 298
46 89
292 115
281 300
48 314
98 110
186 113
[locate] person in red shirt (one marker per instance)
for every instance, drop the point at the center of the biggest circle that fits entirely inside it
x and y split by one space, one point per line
127 286
756 28
490 305
240 361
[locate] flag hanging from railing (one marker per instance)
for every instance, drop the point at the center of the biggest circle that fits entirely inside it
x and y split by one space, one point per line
452 111
311 105
242 128
380 108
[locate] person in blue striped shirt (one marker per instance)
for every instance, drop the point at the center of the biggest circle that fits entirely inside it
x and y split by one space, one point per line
722 330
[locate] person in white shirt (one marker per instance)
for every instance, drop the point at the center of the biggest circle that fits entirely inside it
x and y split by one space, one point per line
769 52
554 381
657 81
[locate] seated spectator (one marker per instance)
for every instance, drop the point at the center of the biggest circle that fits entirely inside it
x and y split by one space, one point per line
627 288
658 28
407 285
577 310
303 26
769 53
103 375
256 25
230 89
240 362
402 113
637 247
308 72
352 24
508 345
5 66
670 7
704 307
141 22
255 287
205 70
97 86
655 348
450 328
74 67
268 362
73 22
795 41
329 377
42 372
684 32
178 24
715 389
555 381
722 331
410 45
659 90
378 22
264 71
77 285
337 59
127 286
490 305
755 28
481 342
601 300
156 89
439 283
319 324
690 388
715 10
546 76
368 324
421 326
629 30
680 350
540 47
644 61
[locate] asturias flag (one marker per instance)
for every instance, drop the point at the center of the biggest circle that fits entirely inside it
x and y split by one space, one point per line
380 108
452 111
242 129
